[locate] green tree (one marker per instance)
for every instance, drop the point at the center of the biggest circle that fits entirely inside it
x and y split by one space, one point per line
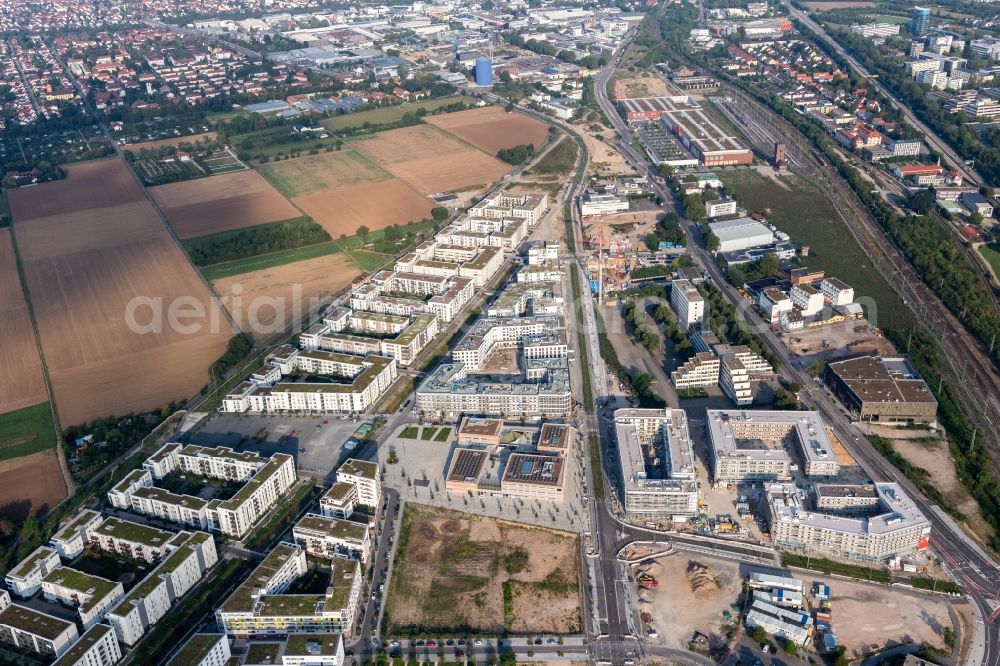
712 241
791 648
363 232
439 213
759 635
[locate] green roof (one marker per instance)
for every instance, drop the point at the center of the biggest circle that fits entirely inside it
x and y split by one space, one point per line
342 576
338 491
187 501
31 561
87 641
220 452
134 532
130 479
419 325
363 468
333 527
241 600
196 649
280 605
300 644
170 563
164 451
94 586
69 530
263 653
262 476
34 622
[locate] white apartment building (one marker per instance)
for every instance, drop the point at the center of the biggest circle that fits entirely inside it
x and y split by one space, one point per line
806 298
687 303
528 207
97 647
133 540
699 371
836 292
203 650
542 252
753 445
876 29
331 538
260 607
720 207
73 536
33 630
91 596
363 475
896 527
374 374
26 578
544 336
734 379
657 462
151 599
339 501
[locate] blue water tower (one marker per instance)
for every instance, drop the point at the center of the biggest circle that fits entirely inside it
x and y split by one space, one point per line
484 72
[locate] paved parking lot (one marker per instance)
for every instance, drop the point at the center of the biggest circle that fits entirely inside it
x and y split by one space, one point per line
316 442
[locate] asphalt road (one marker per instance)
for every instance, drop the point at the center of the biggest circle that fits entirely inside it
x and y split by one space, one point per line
969 565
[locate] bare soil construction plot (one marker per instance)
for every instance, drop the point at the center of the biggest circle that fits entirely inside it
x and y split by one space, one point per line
650 85
431 160
491 128
30 484
838 4
451 570
88 185
300 176
21 381
83 269
221 203
262 292
375 205
167 143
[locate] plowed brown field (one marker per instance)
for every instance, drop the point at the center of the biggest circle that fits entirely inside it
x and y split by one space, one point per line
84 268
221 203
375 205
276 295
491 128
21 382
30 484
431 160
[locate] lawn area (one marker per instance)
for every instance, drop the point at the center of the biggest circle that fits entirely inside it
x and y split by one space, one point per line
427 434
992 256
922 583
26 431
389 114
410 432
369 260
800 210
560 159
876 575
443 435
269 260
112 567
261 538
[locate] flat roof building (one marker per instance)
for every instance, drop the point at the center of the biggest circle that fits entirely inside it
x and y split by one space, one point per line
894 528
97 647
751 445
741 233
332 538
35 631
881 389
203 650
657 463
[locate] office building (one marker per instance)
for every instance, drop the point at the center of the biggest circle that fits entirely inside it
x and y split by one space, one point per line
920 23
740 234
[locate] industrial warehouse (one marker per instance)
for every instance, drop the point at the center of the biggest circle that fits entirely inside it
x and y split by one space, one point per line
685 119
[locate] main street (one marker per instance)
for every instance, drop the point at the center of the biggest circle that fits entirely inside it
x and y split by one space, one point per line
968 563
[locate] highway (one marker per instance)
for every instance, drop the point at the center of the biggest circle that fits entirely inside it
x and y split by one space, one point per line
932 139
968 564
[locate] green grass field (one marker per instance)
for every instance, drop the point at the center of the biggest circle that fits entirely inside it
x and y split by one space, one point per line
558 160
314 173
277 141
389 114
26 431
802 211
369 260
270 260
992 256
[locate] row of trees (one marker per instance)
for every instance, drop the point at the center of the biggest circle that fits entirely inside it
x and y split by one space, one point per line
251 241
637 327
